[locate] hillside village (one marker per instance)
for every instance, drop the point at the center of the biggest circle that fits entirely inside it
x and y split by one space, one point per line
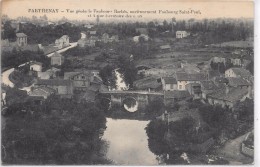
188 70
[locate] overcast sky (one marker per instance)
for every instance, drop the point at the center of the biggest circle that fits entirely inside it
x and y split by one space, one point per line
208 9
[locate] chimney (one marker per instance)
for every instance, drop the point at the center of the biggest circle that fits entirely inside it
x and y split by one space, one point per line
227 90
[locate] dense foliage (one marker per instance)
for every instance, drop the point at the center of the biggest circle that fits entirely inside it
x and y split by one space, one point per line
16 58
56 132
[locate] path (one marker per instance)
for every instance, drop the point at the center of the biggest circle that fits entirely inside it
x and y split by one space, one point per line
232 152
72 45
5 77
5 74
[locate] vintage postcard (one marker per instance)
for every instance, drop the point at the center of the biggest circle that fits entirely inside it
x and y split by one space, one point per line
120 82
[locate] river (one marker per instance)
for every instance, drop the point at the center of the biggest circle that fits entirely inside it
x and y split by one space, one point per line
128 144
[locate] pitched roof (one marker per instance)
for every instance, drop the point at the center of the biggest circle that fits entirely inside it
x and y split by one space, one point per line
181 76
41 91
68 75
169 80
233 95
176 94
56 54
49 49
21 35
149 82
31 47
213 73
241 72
233 81
208 85
54 82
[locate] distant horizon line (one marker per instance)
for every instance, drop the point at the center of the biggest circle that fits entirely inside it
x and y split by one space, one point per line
131 19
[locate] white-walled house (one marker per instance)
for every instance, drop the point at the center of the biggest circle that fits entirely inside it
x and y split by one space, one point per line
182 34
169 83
62 42
36 66
183 79
238 73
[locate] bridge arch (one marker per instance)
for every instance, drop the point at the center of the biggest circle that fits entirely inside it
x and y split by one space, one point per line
130 103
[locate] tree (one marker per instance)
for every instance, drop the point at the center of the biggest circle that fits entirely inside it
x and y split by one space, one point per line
9 31
58 132
156 108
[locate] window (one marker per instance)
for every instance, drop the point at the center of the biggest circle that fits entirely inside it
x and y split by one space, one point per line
180 86
83 77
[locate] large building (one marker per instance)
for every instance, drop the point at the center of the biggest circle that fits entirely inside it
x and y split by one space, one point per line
169 83
21 39
64 88
83 79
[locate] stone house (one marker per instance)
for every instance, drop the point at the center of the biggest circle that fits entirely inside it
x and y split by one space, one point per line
143 36
21 39
207 87
170 97
62 42
183 79
229 97
44 92
63 88
36 66
86 42
169 83
57 59
48 74
236 61
218 60
238 72
195 90
82 79
238 82
182 34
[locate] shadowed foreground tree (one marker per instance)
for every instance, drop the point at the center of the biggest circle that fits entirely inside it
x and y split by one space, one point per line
61 132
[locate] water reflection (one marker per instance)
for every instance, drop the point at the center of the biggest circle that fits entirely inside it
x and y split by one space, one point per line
130 104
128 143
120 83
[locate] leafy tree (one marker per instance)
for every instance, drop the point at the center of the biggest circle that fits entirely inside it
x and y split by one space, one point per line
57 132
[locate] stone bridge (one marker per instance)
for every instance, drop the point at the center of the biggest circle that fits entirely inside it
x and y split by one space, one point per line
142 97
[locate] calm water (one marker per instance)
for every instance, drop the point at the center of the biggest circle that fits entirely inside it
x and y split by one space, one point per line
128 143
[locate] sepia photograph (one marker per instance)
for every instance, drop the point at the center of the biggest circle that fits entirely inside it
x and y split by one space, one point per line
120 82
